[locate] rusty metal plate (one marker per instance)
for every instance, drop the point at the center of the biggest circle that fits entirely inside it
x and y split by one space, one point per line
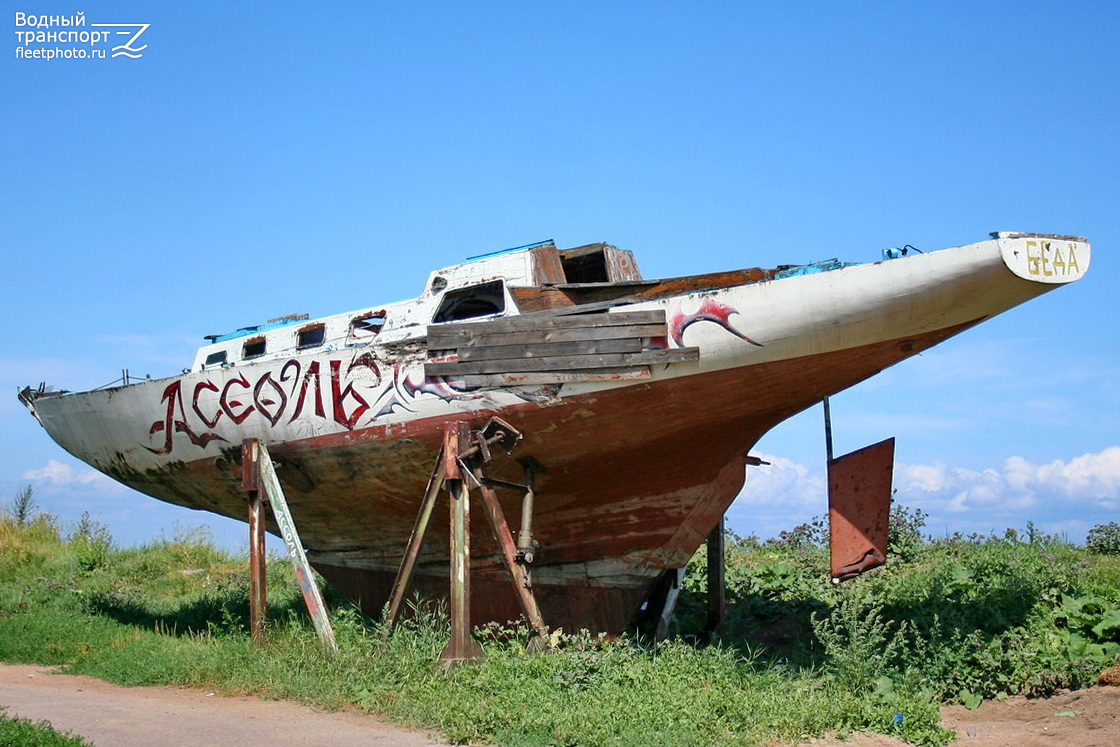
859 504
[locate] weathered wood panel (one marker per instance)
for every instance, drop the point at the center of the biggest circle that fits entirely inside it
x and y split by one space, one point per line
438 340
544 322
551 349
563 362
547 268
575 296
620 373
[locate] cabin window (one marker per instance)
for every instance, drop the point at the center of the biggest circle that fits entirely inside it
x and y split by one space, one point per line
253 348
311 336
365 327
468 303
586 268
216 359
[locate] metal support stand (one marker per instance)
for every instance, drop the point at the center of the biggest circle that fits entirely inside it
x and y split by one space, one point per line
415 541
458 467
258 581
717 587
462 647
258 475
515 563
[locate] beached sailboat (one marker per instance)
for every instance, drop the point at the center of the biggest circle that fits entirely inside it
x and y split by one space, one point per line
638 401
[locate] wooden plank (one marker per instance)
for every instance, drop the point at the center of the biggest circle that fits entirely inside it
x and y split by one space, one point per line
457 340
538 300
551 349
621 373
547 320
624 285
561 363
312 597
587 308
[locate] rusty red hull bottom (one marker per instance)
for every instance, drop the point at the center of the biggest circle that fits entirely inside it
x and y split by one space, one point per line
598 610
637 478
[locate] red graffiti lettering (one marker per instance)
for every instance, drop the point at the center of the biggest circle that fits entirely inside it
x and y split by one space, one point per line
271 408
210 422
228 404
170 425
339 396
310 378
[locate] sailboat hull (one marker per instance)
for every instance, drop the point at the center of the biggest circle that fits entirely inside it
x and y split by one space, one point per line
638 472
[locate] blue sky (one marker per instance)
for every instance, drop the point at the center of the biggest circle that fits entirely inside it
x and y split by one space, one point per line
266 159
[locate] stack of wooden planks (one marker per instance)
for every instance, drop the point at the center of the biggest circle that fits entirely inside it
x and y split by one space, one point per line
537 349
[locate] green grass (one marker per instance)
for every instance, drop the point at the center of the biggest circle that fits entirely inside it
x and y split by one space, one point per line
955 621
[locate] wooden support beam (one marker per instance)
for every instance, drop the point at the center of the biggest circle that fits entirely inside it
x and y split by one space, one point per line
270 485
675 579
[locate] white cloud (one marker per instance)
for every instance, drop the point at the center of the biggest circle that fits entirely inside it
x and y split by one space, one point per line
777 496
1061 496
782 482
57 474
1091 480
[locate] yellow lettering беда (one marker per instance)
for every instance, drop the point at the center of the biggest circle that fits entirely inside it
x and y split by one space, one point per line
1071 265
1032 259
1059 262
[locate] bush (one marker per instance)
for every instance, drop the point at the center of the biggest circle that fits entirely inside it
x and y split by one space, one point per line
1104 539
27 733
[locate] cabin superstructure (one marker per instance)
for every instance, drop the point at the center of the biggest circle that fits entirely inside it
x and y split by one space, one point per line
481 287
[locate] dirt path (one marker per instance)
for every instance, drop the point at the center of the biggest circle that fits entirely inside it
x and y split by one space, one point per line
1085 718
109 715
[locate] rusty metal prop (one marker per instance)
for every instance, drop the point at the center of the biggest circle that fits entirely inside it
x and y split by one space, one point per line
859 504
257 468
462 647
526 545
717 587
514 560
415 542
258 581
459 465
